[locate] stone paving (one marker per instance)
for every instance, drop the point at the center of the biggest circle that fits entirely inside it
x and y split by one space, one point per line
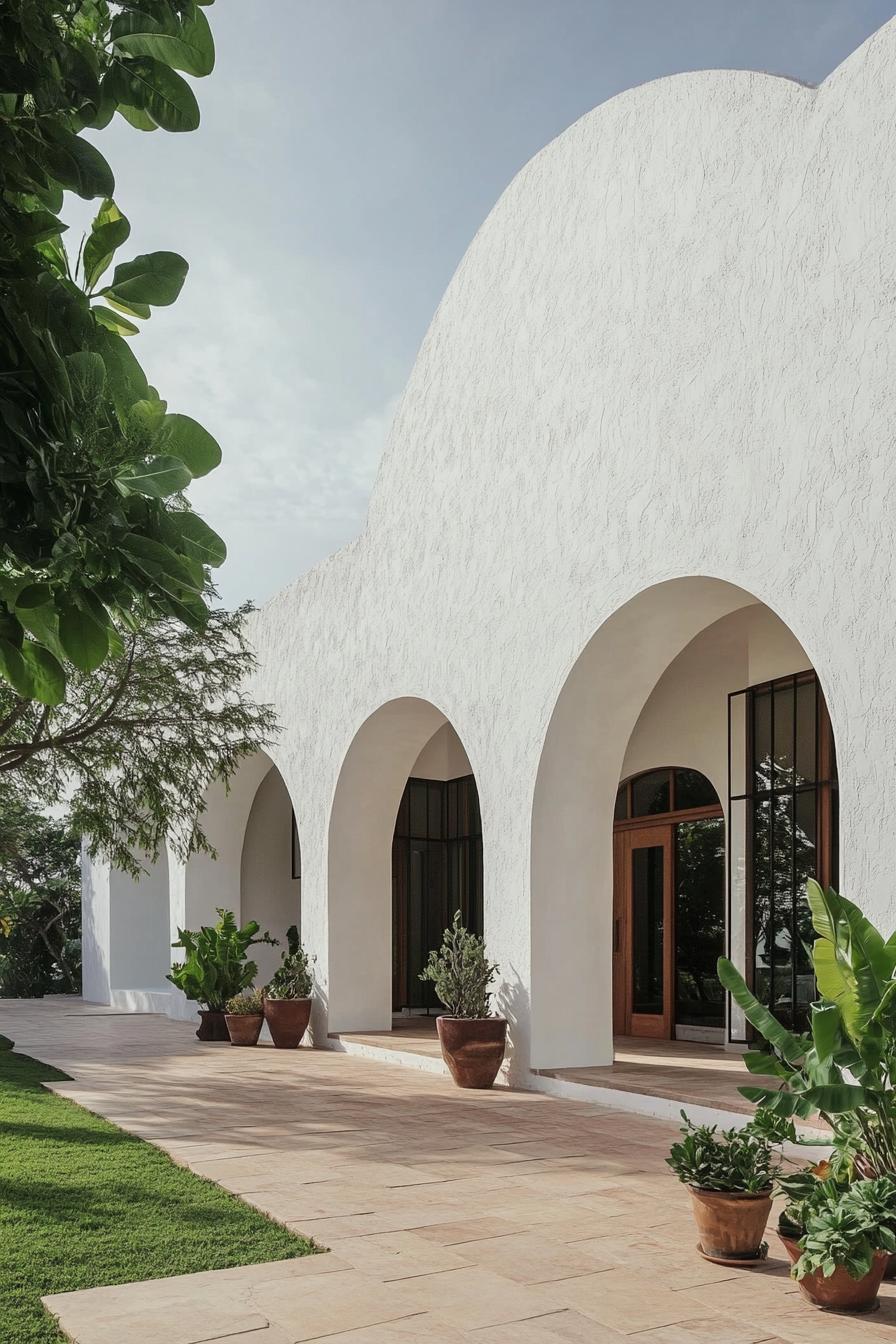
505 1217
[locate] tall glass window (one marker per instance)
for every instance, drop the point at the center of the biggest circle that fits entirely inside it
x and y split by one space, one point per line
436 869
783 786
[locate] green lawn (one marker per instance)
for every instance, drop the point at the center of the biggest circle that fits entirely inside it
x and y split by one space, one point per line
82 1204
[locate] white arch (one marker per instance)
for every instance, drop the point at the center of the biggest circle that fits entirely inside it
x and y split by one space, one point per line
581 763
362 821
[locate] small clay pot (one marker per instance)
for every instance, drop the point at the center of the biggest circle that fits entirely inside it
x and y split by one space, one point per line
212 1026
840 1292
244 1028
287 1021
731 1224
473 1048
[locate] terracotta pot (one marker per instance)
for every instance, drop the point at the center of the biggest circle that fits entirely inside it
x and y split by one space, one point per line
731 1223
890 1271
212 1026
473 1048
287 1021
244 1028
841 1292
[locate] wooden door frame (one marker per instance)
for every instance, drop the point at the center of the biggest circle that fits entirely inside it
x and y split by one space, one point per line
657 834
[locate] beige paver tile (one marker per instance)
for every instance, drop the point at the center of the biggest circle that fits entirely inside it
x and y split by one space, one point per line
470 1229
526 1258
621 1299
708 1330
568 1326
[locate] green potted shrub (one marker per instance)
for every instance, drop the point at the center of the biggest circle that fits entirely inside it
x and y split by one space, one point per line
287 996
730 1176
839 1237
244 1016
472 1040
216 968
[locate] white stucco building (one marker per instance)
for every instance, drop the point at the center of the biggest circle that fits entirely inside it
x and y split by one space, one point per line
636 514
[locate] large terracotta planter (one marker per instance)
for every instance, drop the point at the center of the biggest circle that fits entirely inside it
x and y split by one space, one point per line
731 1224
473 1048
287 1021
244 1028
841 1292
212 1026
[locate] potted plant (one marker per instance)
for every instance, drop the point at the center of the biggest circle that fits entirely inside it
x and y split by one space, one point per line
287 997
472 1040
244 1016
216 968
839 1238
730 1177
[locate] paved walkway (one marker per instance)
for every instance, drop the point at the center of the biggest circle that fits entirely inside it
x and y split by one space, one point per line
502 1217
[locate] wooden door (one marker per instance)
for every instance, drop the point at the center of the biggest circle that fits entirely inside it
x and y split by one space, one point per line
643 932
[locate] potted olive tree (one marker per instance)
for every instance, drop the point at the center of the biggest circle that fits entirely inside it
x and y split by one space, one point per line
244 1017
216 968
472 1040
287 998
730 1175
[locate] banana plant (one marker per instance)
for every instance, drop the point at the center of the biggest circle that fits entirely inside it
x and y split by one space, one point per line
844 1068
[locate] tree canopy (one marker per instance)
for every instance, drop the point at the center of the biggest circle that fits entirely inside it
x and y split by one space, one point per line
96 536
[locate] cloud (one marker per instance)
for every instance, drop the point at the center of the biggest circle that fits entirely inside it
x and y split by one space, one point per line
298 464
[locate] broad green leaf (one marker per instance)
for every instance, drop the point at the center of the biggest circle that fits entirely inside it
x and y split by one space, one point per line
124 377
136 117
188 46
76 164
14 669
158 90
87 374
39 225
34 595
838 1099
141 310
148 414
780 1103
789 1046
158 478
767 1065
108 231
113 321
47 676
160 562
197 539
84 639
825 1025
182 437
155 278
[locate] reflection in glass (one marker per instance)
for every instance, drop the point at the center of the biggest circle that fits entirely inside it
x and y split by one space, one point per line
699 921
693 790
651 794
647 929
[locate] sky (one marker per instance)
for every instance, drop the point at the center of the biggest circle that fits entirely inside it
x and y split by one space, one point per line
348 152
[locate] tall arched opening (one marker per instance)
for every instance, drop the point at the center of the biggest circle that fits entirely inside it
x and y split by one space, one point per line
405 852
256 871
695 676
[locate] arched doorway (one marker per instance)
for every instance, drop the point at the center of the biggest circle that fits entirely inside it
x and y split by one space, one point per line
679 673
405 851
255 870
668 906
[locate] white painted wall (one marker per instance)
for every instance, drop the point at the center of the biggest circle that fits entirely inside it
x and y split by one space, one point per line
443 757
658 389
269 893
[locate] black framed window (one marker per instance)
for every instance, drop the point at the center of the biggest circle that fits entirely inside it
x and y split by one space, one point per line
783 809
655 793
436 869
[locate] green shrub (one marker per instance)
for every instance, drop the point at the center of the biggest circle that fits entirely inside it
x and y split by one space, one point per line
216 967
461 973
249 1003
733 1160
293 978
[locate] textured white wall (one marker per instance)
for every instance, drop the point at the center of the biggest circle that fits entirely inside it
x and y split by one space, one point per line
269 893
443 757
659 387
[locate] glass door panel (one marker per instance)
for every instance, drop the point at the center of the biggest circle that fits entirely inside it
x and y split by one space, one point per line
647 913
699 923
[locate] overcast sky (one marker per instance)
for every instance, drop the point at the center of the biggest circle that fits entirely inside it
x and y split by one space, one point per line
349 150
